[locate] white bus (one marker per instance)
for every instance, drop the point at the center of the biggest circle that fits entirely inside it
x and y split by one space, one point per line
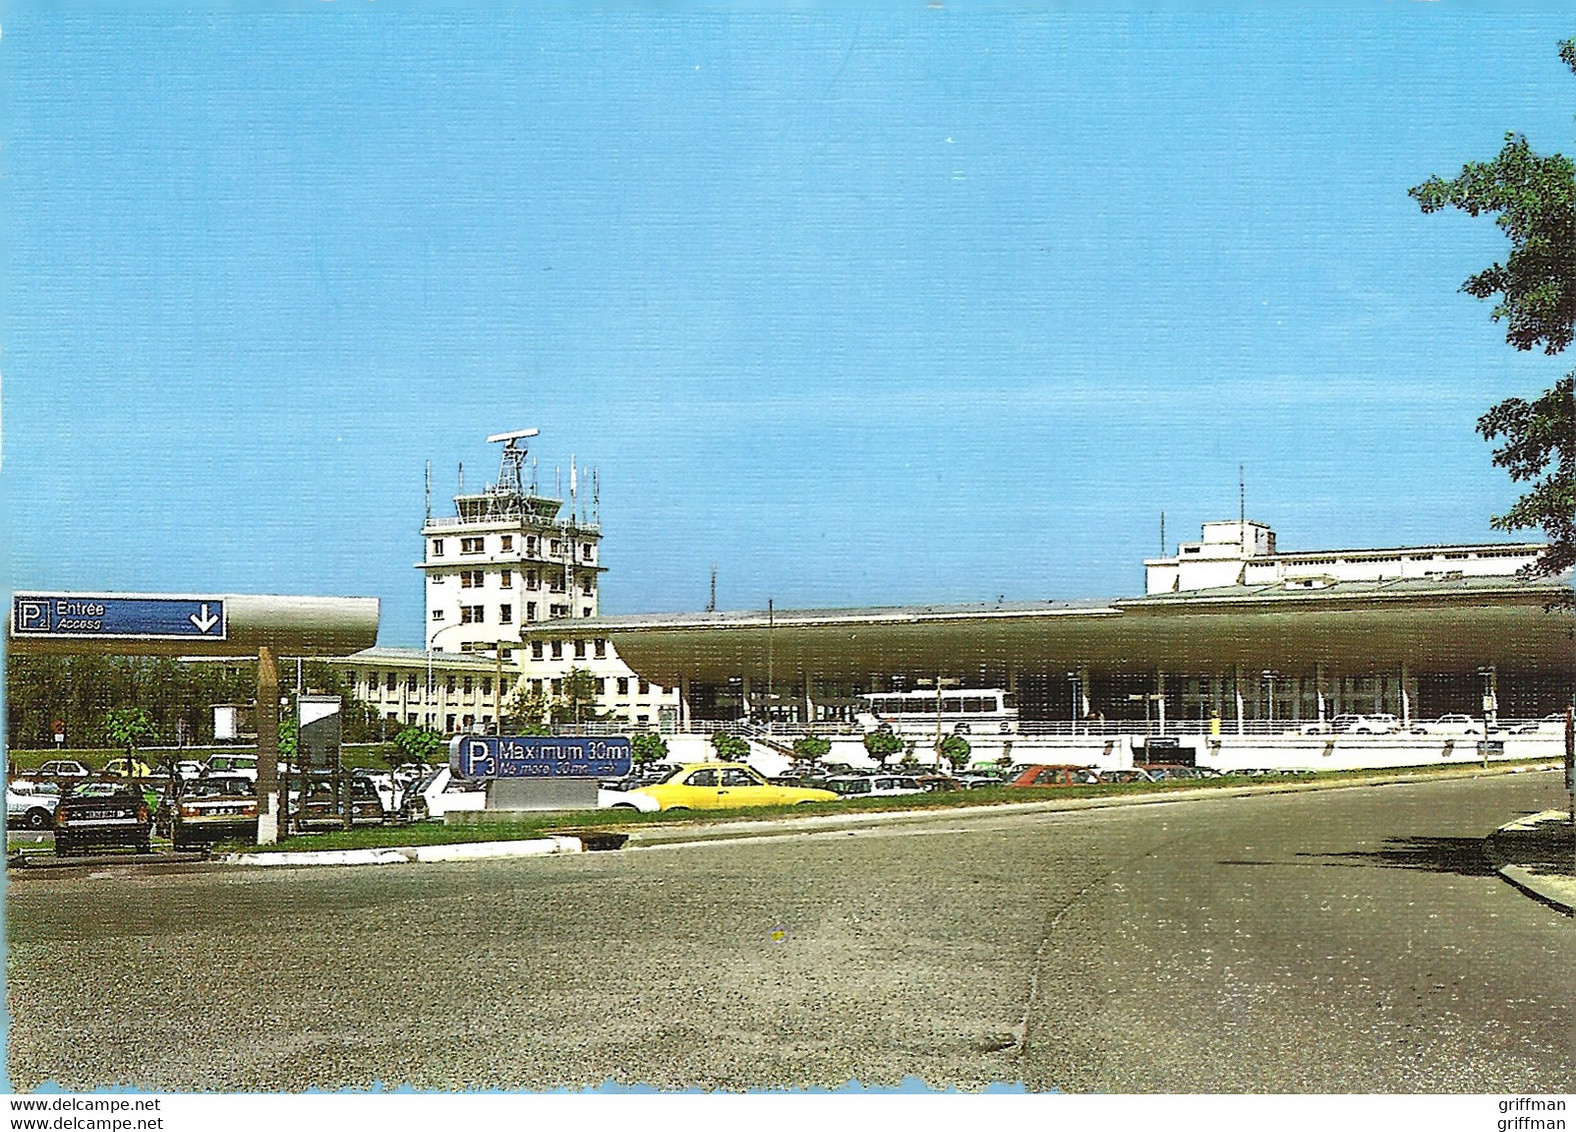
961 711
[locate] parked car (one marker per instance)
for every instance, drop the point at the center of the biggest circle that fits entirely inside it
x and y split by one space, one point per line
1448 725
188 770
1316 728
1548 725
234 764
1126 774
801 781
64 768
218 807
981 782
1173 772
30 805
939 783
125 768
439 792
1041 775
873 785
711 786
1377 724
102 814
320 807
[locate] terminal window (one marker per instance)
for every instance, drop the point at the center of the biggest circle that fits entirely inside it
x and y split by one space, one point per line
601 648
486 685
471 545
623 685
580 650
536 652
449 687
437 548
506 614
558 650
506 542
437 615
506 579
468 686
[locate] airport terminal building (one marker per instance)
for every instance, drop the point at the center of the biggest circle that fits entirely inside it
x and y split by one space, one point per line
1231 635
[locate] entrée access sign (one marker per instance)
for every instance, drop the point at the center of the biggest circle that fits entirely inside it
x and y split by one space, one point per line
538 756
92 616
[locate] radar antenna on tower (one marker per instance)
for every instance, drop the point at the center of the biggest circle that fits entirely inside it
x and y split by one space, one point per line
510 468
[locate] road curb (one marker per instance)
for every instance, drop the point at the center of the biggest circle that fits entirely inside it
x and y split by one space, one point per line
412 854
728 830
1558 893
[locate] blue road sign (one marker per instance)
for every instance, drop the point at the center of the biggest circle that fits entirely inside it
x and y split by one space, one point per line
538 756
105 616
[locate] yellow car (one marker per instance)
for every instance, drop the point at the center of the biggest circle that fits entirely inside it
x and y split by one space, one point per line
715 786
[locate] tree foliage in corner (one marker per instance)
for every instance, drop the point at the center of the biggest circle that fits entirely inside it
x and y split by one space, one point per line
1533 200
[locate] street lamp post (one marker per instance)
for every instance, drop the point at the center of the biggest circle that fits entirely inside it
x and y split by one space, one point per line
941 682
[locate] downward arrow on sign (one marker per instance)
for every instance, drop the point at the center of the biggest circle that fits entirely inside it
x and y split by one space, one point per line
205 622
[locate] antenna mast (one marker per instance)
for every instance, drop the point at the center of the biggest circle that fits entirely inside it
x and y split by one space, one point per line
1162 534
429 491
1242 508
711 606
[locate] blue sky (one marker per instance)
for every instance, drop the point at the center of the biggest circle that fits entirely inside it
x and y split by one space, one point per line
907 305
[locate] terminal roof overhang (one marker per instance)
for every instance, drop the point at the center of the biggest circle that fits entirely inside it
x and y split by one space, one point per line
1430 625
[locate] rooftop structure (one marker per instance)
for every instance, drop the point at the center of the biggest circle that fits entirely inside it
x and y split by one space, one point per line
1242 553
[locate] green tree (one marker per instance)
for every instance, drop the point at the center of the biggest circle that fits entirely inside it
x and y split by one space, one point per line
730 748
882 745
129 729
577 702
1533 200
811 749
527 711
415 745
955 749
289 734
647 748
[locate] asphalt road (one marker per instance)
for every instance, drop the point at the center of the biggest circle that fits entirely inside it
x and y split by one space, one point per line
1349 940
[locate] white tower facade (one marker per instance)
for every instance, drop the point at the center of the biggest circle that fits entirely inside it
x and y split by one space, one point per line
508 557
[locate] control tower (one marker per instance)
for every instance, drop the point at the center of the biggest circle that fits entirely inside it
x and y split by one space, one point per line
510 556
